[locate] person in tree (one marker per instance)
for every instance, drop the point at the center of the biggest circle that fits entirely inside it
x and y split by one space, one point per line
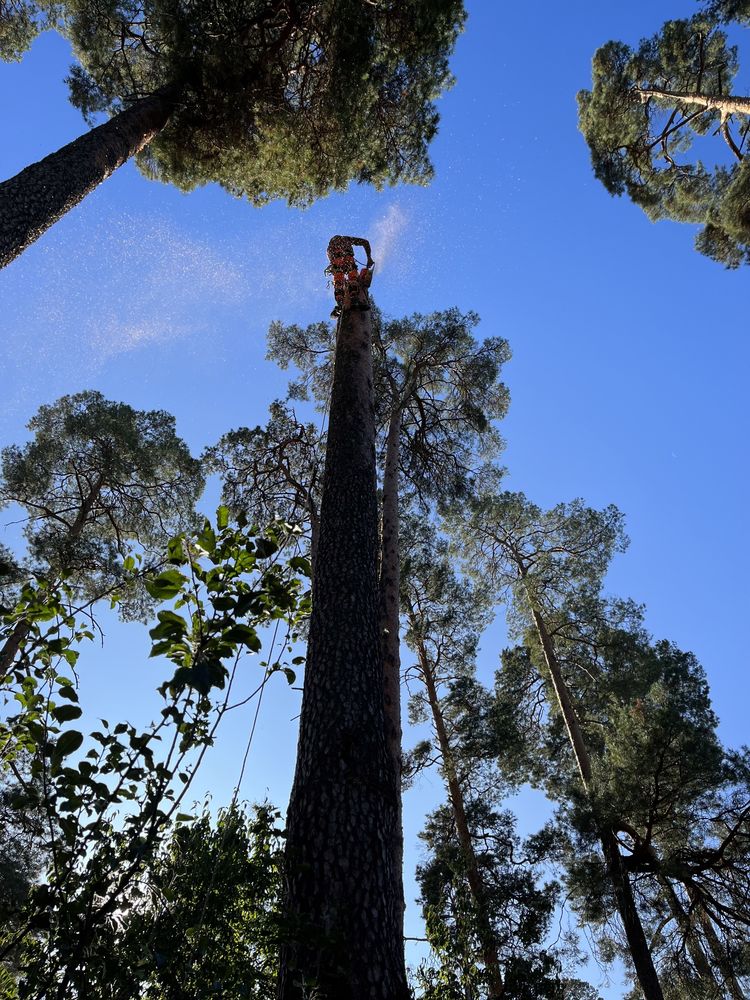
349 283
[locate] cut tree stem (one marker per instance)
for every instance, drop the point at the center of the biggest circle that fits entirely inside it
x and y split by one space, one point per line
343 904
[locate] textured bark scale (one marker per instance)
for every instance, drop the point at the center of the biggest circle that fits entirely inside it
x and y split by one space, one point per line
343 904
38 196
389 591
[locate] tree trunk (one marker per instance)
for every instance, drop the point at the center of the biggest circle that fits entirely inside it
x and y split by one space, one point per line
692 941
640 952
12 644
389 587
623 890
22 628
314 532
342 902
43 192
731 984
567 709
725 105
487 941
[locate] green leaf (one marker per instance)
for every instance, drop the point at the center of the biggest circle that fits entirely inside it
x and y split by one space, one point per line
68 743
160 648
171 625
66 713
222 518
207 539
301 564
264 548
176 550
166 585
244 634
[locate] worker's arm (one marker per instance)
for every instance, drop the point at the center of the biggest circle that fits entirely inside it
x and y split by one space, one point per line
365 245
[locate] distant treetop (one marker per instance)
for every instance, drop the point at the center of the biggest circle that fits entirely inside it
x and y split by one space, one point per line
655 111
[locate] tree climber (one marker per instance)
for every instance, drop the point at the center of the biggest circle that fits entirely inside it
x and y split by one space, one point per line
349 285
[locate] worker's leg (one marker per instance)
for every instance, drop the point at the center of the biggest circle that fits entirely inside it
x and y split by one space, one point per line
352 285
365 280
339 292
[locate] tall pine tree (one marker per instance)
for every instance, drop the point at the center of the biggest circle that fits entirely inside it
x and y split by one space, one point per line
269 99
649 107
97 479
343 898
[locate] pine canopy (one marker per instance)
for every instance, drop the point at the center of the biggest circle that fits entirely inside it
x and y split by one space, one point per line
273 99
664 128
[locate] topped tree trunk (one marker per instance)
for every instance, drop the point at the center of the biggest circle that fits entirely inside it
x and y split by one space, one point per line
343 903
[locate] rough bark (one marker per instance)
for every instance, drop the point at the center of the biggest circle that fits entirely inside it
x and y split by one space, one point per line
623 890
725 105
342 899
487 941
389 587
389 592
314 532
43 192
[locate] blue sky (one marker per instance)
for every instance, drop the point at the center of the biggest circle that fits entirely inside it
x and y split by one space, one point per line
630 354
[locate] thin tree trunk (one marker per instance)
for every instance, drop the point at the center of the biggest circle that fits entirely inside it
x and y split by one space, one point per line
487 940
692 941
725 105
732 986
631 920
22 628
342 901
43 192
623 890
567 709
389 587
12 644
